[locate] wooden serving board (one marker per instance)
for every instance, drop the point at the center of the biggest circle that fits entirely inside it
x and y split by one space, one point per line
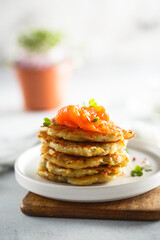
143 207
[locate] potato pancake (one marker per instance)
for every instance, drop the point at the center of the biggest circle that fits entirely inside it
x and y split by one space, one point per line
76 162
86 149
81 181
66 172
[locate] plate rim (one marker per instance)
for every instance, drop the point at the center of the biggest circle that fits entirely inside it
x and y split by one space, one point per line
92 187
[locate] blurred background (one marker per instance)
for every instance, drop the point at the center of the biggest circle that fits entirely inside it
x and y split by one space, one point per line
112 48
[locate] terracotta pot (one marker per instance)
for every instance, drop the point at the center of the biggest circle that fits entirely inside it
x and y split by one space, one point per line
44 88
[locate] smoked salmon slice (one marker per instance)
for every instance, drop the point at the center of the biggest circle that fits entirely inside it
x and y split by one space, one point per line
88 118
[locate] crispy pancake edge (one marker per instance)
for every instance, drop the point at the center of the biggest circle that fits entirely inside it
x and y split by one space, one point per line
80 135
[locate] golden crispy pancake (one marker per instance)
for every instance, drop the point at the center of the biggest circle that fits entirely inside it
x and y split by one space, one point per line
83 181
89 180
66 172
43 172
75 162
80 135
86 149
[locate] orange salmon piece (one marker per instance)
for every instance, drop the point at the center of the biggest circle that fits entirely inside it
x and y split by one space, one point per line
74 116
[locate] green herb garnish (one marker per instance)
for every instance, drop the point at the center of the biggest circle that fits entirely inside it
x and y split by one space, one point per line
138 171
55 123
96 119
46 122
147 168
92 103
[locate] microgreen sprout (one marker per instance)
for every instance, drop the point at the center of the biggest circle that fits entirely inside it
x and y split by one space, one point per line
96 119
147 168
92 103
55 123
46 122
138 171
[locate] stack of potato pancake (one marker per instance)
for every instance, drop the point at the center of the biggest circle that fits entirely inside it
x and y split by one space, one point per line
81 157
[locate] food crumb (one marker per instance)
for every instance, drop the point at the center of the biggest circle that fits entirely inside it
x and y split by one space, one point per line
144 161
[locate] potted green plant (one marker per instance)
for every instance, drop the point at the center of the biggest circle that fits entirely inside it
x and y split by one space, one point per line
43 69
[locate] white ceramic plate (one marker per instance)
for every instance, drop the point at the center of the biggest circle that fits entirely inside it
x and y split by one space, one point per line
123 187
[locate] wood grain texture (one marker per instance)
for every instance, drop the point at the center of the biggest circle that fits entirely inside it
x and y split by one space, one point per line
143 207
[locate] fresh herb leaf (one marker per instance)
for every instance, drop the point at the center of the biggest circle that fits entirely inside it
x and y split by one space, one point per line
139 174
46 122
147 168
96 119
138 171
138 168
92 103
55 123
133 173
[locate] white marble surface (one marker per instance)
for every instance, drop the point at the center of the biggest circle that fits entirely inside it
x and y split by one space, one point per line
16 226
